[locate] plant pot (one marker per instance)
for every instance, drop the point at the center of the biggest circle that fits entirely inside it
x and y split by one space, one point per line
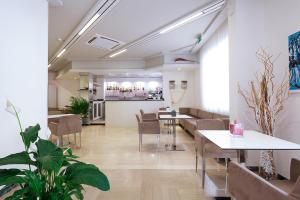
85 121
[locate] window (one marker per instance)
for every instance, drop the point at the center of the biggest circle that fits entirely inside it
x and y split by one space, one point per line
214 72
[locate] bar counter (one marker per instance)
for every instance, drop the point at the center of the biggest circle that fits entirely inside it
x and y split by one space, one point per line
121 113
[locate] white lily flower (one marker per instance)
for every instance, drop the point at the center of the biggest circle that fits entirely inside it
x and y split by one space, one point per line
11 108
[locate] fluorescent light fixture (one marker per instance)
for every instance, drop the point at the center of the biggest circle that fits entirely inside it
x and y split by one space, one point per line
213 7
119 52
49 65
181 22
61 53
96 16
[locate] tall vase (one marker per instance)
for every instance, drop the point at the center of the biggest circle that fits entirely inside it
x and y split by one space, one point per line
266 164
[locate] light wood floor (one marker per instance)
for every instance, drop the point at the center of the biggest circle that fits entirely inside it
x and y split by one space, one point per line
153 174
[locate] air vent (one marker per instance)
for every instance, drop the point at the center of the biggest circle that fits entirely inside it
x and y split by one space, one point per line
103 42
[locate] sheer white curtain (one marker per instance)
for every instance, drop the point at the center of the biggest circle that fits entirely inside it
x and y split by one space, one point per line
214 72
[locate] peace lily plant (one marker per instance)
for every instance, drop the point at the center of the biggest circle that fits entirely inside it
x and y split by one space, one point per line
52 173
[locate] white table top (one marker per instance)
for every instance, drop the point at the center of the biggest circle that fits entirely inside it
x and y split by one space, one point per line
164 111
178 116
252 140
58 116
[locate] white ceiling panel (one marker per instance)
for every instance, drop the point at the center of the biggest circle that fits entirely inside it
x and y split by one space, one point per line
168 42
128 21
63 19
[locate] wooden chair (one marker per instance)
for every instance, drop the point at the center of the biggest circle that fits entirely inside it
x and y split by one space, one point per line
147 127
64 126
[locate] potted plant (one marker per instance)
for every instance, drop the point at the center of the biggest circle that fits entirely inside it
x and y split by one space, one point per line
80 106
51 172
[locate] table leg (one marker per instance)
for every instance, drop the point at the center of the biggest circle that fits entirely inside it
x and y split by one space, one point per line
203 162
241 156
60 141
174 134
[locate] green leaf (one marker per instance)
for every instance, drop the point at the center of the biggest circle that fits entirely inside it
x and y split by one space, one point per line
49 155
34 183
17 158
30 134
81 173
9 176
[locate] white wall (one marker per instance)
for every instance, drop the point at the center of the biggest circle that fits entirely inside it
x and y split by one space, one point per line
188 96
23 68
263 23
66 88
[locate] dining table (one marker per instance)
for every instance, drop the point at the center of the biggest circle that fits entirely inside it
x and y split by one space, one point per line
174 146
58 116
251 140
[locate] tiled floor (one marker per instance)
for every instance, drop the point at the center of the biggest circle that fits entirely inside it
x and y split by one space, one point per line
153 174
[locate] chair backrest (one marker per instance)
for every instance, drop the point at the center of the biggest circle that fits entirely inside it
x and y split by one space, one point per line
294 169
210 124
246 185
69 125
142 112
138 118
148 127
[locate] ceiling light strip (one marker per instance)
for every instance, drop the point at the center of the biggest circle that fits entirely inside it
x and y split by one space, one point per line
96 16
118 53
61 53
76 36
211 8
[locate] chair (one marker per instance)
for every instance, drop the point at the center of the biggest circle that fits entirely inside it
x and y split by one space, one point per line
287 185
210 150
148 116
64 126
147 127
246 185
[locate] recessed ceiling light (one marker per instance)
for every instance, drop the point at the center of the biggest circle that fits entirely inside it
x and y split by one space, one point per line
61 53
96 16
60 39
178 69
119 52
49 65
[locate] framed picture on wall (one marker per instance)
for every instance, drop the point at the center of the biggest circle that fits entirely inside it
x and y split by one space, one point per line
172 85
294 62
184 85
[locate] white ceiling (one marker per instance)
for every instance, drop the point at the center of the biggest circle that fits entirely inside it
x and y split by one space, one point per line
63 19
127 22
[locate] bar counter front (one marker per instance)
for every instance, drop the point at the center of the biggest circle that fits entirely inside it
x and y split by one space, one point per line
121 113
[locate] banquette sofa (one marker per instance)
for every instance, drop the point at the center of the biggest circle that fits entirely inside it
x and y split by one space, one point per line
190 125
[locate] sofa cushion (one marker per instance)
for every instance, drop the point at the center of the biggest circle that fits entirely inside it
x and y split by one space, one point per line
184 110
204 114
219 116
190 125
194 112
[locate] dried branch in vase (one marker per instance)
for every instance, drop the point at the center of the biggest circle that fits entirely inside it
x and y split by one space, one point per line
266 100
